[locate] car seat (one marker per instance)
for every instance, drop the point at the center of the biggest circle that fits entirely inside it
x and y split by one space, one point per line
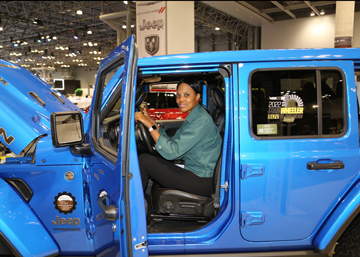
218 114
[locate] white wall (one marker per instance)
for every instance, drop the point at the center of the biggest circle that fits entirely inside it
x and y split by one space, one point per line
180 27
312 32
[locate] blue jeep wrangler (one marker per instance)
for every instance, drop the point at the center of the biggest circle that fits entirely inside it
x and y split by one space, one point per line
287 182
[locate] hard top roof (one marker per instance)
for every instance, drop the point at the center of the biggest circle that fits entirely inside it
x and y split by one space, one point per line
244 56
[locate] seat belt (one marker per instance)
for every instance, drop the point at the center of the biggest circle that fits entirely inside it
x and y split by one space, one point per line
217 187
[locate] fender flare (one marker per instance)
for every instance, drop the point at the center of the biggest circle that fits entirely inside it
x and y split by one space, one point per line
21 230
338 221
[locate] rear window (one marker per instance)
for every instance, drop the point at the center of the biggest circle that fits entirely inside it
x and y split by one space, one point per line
297 103
161 100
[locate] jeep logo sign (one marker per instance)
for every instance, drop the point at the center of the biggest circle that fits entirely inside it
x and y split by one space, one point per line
151 28
155 24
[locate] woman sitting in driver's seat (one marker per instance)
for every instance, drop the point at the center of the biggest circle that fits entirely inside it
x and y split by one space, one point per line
197 142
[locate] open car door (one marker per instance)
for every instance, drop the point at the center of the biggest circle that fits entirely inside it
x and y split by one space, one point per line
114 201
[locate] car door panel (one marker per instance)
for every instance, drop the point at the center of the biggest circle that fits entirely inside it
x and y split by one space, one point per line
109 170
281 198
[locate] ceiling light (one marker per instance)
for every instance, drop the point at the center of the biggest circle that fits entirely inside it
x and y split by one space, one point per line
322 12
1 46
124 26
95 44
217 28
89 32
79 12
125 2
85 44
132 26
1 28
90 44
54 38
312 14
76 36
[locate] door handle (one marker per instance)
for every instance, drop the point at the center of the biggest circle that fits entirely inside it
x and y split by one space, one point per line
109 211
335 165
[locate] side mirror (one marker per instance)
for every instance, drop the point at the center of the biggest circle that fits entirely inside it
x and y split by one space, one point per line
66 128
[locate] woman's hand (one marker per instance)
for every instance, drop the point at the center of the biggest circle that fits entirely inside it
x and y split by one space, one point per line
144 110
139 116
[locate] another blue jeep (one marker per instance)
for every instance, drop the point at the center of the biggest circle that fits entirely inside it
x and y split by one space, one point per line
286 184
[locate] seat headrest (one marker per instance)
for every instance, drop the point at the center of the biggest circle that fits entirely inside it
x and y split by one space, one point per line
218 97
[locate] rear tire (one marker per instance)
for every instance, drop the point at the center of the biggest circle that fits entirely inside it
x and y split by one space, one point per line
349 242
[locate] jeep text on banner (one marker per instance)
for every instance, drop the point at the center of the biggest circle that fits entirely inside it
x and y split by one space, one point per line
150 28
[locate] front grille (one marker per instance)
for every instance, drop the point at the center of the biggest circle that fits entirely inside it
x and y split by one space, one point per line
21 187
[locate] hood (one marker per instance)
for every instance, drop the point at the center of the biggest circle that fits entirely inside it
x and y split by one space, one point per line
26 103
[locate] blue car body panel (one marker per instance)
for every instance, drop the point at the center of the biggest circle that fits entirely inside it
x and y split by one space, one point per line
113 182
20 111
288 191
303 209
21 226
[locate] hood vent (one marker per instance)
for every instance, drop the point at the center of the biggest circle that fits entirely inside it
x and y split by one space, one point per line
37 98
58 97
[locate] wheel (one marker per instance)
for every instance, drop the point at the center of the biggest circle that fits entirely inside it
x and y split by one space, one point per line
146 138
349 243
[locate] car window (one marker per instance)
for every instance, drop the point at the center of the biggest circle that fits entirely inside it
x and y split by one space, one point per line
111 99
160 100
289 103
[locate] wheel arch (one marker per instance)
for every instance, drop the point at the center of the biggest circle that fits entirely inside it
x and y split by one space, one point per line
338 221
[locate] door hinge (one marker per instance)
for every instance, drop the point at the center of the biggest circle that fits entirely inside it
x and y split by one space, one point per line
141 245
225 186
86 174
252 170
252 218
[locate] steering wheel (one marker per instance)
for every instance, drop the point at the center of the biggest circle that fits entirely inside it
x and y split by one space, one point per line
146 138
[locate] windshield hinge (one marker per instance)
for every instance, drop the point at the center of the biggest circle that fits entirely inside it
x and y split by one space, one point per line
225 186
86 173
141 245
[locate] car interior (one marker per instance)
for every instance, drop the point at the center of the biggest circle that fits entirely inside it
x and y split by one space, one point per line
172 210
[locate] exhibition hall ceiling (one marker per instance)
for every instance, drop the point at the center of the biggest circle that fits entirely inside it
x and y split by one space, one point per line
71 33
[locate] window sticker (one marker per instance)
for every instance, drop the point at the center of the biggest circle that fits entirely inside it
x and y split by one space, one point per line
266 129
285 108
